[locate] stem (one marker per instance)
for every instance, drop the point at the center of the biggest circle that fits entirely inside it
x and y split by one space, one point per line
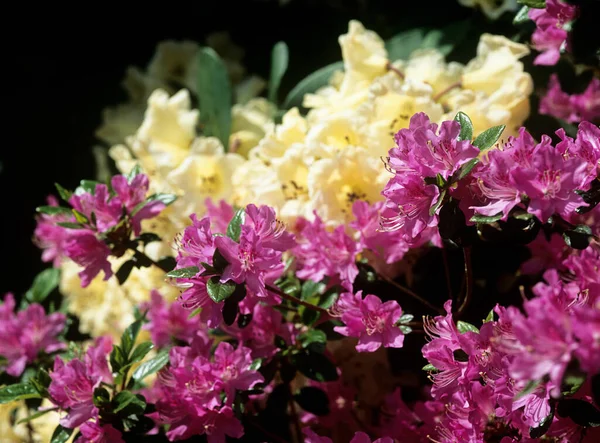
444 91
295 418
143 257
390 67
295 300
468 280
447 272
410 293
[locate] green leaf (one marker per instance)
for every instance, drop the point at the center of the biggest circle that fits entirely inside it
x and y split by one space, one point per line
80 217
290 285
162 197
117 358
101 397
133 403
43 284
151 366
70 225
87 186
446 38
466 126
580 411
184 272
467 168
315 365
402 45
478 218
279 65
537 4
219 262
313 400
129 337
36 415
140 351
405 329
124 271
522 16
311 288
328 299
310 84
405 318
463 327
528 389
195 312
218 291
543 427
135 171
490 317
312 336
17 391
578 237
60 435
214 92
438 203
53 210
65 194
429 367
488 138
234 228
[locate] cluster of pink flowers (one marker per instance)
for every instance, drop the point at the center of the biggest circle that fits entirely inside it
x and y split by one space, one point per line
540 177
550 36
571 108
23 335
254 260
72 390
504 377
421 153
198 393
100 222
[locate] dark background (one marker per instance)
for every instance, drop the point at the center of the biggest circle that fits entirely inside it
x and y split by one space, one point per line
65 66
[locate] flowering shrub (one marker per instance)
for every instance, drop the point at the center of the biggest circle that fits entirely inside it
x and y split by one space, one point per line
272 280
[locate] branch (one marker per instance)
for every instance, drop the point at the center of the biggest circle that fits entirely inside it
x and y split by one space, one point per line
469 281
410 293
296 300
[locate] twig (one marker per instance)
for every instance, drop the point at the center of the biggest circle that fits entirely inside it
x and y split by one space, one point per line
294 413
395 70
410 293
447 272
468 280
444 91
295 300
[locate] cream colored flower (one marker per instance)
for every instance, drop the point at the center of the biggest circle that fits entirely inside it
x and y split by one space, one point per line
363 51
334 184
492 8
292 130
255 182
250 123
206 172
429 66
9 431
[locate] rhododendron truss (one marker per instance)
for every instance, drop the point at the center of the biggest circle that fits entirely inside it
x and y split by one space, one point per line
292 284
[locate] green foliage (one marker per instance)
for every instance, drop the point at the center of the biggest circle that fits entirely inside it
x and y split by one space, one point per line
279 65
537 4
43 284
234 228
17 391
184 272
466 126
478 218
488 138
580 411
579 237
214 91
218 291
463 327
53 210
314 365
61 435
63 193
522 16
151 366
310 84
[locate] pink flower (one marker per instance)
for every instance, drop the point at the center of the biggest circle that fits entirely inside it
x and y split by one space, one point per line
196 296
92 254
571 108
322 253
232 368
94 432
361 437
408 203
27 333
196 245
585 147
271 231
390 245
220 216
549 36
73 383
52 238
371 321
545 254
168 321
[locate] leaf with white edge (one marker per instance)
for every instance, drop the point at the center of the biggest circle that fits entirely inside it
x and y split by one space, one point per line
537 4
279 65
310 84
488 138
17 391
463 327
478 218
522 16
61 435
53 210
214 91
218 291
184 272
406 318
135 171
234 228
43 284
151 366
405 329
466 126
